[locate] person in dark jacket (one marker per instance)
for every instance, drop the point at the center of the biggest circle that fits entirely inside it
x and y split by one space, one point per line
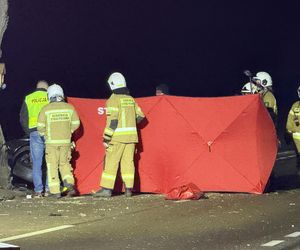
31 107
162 89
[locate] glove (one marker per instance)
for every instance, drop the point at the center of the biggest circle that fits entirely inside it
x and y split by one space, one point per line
105 143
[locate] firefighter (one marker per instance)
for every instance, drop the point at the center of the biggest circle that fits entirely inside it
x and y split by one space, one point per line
120 136
264 83
56 123
293 125
32 105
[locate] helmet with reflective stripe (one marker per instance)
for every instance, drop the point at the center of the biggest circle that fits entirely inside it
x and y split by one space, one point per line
249 88
263 79
55 91
116 81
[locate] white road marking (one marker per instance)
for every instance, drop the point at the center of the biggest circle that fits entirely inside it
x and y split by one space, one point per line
5 245
35 233
293 235
272 243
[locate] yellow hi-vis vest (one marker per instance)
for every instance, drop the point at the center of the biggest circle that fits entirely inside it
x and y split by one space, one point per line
35 102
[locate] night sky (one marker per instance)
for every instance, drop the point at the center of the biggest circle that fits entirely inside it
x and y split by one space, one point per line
199 48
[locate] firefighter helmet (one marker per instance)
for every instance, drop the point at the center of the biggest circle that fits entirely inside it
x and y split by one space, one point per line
249 88
116 80
55 91
263 79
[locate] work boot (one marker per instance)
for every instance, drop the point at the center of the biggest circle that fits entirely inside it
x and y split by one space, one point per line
54 196
37 195
128 192
68 190
46 193
103 193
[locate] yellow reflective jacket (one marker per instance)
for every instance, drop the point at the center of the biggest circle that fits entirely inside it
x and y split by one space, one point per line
294 118
57 121
122 114
31 108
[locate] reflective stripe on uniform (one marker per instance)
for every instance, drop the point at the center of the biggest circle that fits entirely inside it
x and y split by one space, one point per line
108 176
108 131
296 135
123 118
110 109
128 176
48 141
75 122
125 131
53 183
48 130
69 111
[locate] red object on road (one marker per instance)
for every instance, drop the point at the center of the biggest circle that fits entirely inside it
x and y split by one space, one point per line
226 144
185 192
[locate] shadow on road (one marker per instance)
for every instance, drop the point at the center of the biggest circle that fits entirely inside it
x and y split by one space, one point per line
287 182
285 174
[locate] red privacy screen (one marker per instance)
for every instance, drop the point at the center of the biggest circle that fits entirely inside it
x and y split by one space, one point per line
225 144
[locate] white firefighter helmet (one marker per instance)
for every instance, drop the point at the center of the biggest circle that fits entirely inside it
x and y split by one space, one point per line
249 88
298 91
263 79
55 91
116 80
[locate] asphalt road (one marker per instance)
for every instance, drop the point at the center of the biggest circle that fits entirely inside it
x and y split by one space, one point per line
221 221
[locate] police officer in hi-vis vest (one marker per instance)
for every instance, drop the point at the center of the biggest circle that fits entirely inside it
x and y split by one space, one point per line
120 136
30 110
